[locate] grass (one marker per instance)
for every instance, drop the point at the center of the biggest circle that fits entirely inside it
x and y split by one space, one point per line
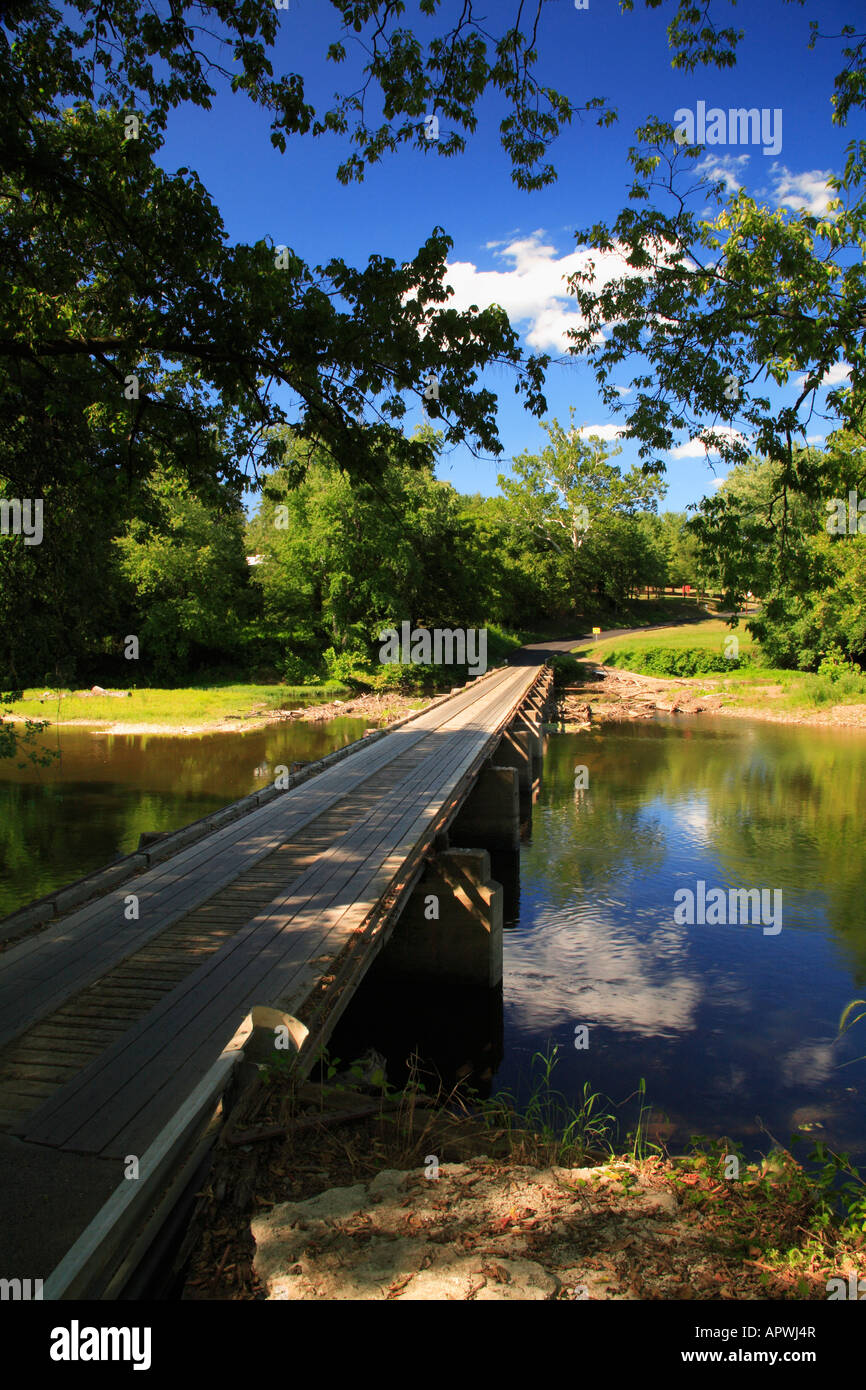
551 1129
188 705
801 691
547 1128
710 635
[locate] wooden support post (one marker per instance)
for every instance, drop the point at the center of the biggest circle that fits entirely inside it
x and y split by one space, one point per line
523 722
515 751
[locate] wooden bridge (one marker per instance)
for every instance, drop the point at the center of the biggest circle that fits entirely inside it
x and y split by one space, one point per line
122 1022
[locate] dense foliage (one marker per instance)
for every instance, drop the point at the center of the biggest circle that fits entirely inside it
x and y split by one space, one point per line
149 369
791 531
304 587
671 661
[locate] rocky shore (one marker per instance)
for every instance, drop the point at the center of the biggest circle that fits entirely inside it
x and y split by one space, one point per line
380 709
615 694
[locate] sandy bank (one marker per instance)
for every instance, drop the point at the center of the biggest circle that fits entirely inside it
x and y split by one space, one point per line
617 695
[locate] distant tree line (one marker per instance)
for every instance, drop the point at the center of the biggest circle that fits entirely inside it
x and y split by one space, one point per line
337 558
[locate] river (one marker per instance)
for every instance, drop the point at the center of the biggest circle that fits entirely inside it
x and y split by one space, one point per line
733 1028
92 804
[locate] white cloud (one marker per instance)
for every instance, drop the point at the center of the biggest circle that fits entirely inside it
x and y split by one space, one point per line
810 1064
587 962
815 438
696 449
834 376
534 291
807 190
601 431
724 168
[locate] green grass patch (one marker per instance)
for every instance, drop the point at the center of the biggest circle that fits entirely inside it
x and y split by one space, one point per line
188 705
672 661
809 691
708 635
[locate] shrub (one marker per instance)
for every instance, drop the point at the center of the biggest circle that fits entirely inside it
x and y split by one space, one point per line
834 663
350 667
298 670
567 670
673 661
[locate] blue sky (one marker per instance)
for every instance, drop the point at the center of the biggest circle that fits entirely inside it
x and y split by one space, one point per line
514 247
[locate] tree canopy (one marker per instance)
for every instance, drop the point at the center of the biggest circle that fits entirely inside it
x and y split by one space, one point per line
131 328
712 311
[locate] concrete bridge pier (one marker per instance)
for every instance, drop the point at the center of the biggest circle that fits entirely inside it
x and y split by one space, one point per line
490 816
451 926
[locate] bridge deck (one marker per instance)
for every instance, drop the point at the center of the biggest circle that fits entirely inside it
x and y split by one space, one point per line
108 1023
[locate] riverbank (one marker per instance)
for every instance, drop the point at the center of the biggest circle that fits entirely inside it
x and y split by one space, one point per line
218 711
419 1203
618 694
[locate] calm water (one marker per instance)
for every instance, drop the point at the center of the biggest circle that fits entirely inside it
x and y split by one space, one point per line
733 1030
93 803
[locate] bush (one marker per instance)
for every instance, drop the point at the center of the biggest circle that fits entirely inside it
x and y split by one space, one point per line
834 663
567 670
673 661
298 670
349 667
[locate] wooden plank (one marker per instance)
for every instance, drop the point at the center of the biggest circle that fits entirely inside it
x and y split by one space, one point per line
103 1080
110 1229
291 978
87 961
190 857
321 880
29 992
412 790
173 946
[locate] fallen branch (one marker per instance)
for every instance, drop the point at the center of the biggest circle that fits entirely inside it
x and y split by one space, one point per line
322 1120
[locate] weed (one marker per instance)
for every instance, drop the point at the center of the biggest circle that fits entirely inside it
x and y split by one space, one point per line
549 1128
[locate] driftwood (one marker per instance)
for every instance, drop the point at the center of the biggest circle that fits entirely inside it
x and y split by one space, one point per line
324 1120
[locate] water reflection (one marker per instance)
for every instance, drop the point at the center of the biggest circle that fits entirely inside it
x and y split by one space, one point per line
734 1031
94 802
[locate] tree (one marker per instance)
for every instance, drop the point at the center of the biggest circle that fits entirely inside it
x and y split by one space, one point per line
60 597
343 557
184 565
711 311
521 579
127 318
812 587
570 492
681 549
125 308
